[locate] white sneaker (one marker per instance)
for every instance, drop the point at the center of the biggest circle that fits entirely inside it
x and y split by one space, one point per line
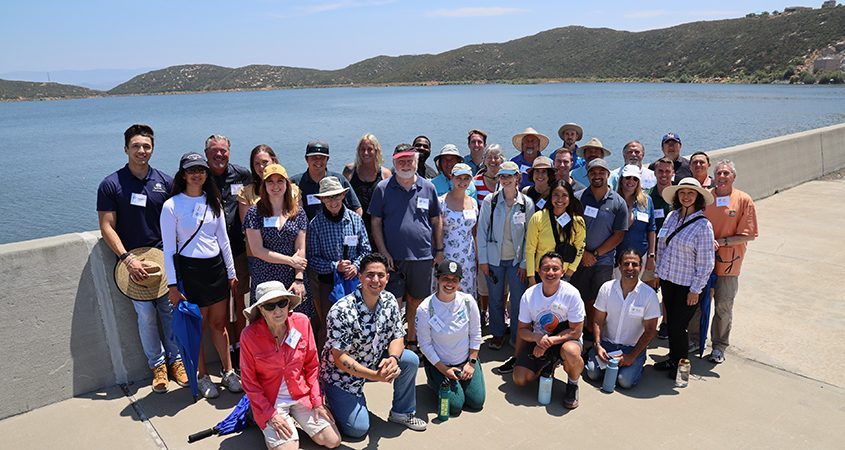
717 356
231 381
207 387
409 420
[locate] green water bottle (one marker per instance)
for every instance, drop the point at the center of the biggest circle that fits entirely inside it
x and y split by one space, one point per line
443 400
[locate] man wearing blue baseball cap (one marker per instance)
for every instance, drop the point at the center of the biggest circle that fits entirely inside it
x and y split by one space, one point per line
671 145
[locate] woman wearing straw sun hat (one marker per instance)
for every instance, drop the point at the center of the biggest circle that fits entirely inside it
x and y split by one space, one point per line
529 143
279 369
685 259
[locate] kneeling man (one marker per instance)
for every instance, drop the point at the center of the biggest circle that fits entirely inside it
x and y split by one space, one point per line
625 322
551 319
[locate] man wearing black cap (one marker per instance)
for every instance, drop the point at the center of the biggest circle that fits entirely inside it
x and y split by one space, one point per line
317 158
671 145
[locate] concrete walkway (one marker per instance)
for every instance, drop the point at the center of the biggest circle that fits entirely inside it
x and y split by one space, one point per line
779 388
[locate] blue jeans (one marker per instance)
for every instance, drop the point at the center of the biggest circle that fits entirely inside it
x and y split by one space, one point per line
504 273
628 376
151 341
350 410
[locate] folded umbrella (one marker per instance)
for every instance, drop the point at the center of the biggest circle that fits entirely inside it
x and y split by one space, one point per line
237 420
187 329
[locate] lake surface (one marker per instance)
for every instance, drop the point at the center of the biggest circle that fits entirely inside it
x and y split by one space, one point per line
54 154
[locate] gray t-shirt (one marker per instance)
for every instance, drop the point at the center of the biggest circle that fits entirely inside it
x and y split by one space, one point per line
603 217
406 217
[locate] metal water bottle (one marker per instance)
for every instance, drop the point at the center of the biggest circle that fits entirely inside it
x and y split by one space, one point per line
682 379
610 374
544 391
443 400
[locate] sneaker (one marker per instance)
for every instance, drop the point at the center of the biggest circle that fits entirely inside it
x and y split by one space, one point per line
693 347
160 380
495 343
177 372
717 356
507 367
570 398
409 420
663 331
231 381
207 387
663 366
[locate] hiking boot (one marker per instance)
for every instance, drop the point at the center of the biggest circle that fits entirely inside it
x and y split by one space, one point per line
717 356
160 380
177 372
663 331
207 387
231 381
570 397
409 420
507 367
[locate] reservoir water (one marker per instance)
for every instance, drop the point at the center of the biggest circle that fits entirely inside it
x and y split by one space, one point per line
53 154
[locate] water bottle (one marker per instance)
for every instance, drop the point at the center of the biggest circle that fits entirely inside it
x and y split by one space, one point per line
443 400
682 379
610 374
544 391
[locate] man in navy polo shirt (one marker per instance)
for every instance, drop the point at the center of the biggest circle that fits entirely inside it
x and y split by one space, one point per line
129 203
317 158
671 146
406 222
606 218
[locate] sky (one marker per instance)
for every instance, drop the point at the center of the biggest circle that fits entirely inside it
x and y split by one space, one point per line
52 35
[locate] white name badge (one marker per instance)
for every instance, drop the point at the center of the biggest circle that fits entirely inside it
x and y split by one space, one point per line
659 214
723 201
589 211
271 222
469 214
436 323
235 188
636 311
662 233
138 200
519 218
642 217
293 337
563 219
541 203
422 203
523 168
350 240
199 211
312 200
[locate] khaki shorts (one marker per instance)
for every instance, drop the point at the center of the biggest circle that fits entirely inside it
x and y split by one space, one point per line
306 418
481 281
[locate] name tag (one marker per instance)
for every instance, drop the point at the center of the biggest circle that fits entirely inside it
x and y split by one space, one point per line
469 214
436 323
293 337
199 211
662 233
350 240
312 200
642 217
636 311
422 203
271 222
541 203
563 219
519 218
659 214
523 168
235 188
138 200
589 211
723 201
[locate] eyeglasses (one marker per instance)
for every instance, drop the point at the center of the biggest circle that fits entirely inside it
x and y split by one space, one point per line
195 169
279 304
334 197
630 178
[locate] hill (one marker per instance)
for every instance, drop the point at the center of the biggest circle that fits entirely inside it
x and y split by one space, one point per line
27 90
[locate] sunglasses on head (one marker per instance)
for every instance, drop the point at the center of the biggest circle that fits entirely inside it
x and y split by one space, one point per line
279 304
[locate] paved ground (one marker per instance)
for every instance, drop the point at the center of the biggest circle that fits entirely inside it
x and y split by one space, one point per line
781 386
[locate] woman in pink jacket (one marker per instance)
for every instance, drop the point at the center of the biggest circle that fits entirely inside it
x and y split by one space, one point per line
279 368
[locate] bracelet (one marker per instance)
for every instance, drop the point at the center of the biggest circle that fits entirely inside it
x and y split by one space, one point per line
394 357
123 256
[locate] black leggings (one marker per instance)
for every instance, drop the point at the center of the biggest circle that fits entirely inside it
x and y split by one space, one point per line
678 314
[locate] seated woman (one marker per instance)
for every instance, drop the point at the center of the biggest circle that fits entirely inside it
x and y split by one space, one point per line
279 369
449 332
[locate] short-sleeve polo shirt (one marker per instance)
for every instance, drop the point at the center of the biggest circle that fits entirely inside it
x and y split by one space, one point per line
611 216
136 225
406 221
230 184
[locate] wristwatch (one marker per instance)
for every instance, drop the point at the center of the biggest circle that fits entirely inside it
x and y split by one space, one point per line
395 357
473 361
651 255
123 256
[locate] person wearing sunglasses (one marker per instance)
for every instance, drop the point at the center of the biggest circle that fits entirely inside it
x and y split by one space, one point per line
641 225
279 370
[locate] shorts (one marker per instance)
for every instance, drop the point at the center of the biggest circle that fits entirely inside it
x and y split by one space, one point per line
306 418
588 280
412 277
481 284
526 358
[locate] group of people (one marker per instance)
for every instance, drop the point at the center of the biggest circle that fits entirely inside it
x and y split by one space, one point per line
561 255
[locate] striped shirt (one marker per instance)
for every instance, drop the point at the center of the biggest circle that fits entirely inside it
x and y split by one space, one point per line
480 188
689 258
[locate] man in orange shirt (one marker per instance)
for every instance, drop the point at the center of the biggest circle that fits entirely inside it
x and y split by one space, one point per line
734 220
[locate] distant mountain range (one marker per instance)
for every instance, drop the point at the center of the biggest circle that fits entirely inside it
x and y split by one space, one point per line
758 48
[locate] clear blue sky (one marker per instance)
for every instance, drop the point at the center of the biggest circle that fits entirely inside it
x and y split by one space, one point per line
49 35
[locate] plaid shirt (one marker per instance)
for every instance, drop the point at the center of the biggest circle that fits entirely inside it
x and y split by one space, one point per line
324 246
689 258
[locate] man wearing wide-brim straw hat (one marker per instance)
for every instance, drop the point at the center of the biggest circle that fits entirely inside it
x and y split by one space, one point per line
591 150
570 134
530 144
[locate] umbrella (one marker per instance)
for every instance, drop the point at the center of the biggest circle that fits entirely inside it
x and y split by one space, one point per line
343 287
704 320
237 420
187 329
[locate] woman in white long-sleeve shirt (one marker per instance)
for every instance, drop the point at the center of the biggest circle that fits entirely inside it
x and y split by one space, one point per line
193 231
449 332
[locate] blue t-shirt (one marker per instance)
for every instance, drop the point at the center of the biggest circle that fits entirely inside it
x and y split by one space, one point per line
637 235
406 217
603 217
443 185
577 161
137 222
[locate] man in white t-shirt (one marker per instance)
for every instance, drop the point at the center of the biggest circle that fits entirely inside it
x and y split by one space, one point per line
625 322
551 319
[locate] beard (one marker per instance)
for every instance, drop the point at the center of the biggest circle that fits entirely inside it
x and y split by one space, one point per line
405 173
